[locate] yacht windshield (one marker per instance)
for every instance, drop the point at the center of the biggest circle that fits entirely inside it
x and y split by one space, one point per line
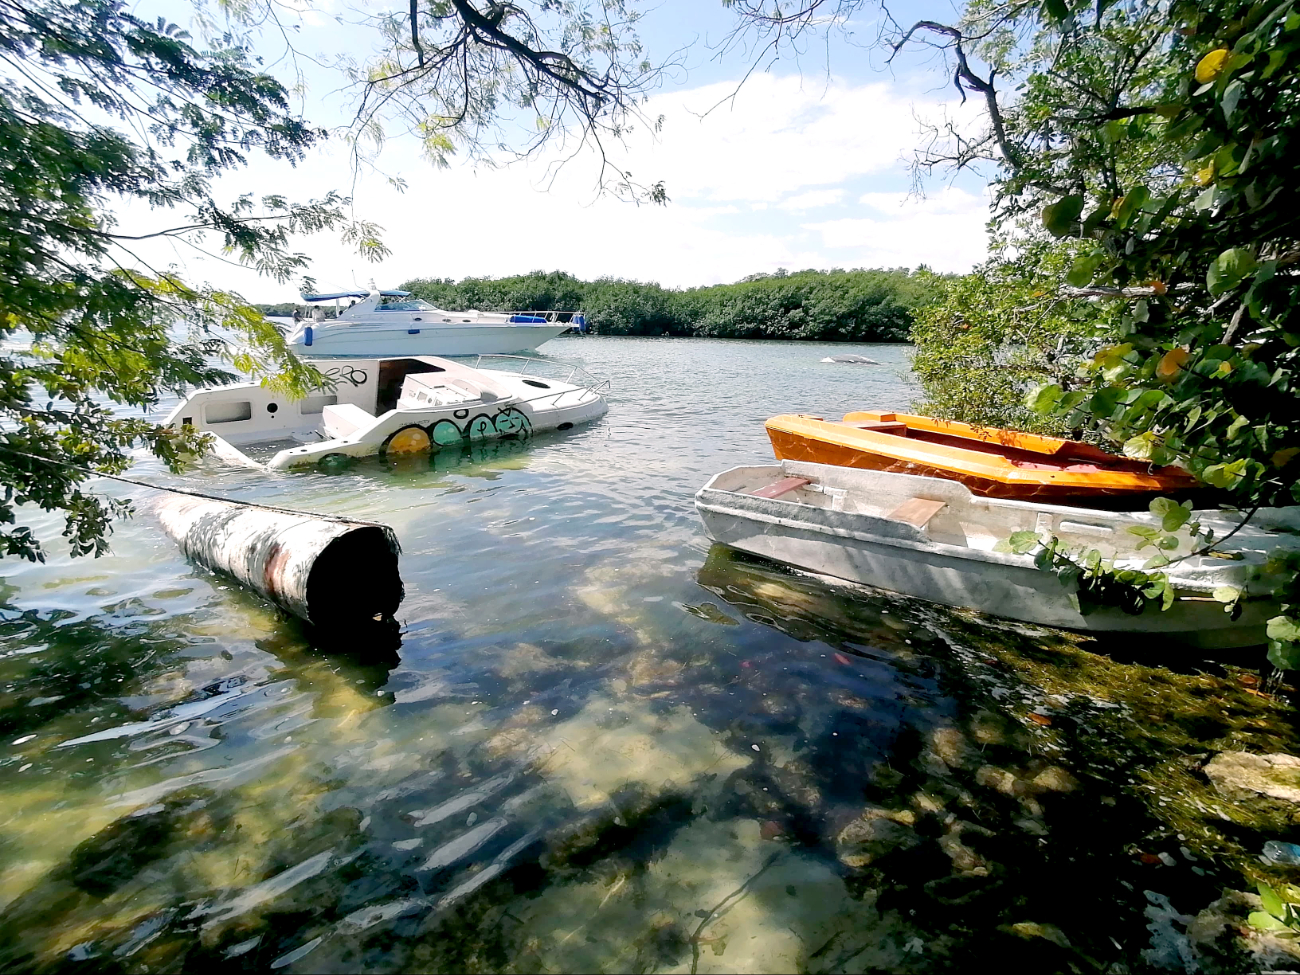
406 304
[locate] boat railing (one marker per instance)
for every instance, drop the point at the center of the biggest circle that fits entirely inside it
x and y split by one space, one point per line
558 317
525 365
577 390
556 369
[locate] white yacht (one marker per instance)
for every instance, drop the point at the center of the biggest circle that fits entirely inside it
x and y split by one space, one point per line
393 323
398 405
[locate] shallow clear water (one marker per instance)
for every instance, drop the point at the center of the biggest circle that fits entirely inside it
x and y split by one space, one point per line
601 745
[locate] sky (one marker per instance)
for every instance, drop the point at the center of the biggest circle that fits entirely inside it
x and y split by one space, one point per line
805 165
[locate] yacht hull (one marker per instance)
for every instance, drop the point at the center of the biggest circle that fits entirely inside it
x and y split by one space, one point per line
351 339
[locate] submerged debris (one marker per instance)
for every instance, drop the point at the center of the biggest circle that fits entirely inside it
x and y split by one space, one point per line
850 359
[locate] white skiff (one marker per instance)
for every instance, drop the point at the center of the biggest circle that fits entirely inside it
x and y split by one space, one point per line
934 540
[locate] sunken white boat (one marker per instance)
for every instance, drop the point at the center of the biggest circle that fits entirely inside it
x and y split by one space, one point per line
398 405
393 323
934 540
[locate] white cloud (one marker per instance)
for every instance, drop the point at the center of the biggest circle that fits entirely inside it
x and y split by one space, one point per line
945 231
812 199
738 179
778 135
949 199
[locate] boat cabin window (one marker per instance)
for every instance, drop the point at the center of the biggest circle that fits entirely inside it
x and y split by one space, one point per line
228 412
406 304
392 373
315 405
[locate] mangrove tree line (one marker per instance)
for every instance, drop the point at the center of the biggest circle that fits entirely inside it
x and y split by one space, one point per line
827 306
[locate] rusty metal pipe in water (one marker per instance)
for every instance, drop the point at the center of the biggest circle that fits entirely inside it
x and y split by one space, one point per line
328 571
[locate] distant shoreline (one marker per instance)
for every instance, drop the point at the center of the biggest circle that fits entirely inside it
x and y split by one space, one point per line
861 305
735 338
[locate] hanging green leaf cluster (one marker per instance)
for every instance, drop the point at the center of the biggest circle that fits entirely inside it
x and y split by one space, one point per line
99 107
1096 582
1199 252
1204 371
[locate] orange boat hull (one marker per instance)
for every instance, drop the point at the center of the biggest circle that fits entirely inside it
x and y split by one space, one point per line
991 462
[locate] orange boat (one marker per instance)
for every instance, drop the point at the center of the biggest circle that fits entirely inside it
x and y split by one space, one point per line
991 462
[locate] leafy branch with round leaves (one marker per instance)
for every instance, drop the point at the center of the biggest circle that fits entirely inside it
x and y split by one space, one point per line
1096 581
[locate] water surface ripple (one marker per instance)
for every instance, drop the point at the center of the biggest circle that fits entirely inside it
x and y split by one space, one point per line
601 746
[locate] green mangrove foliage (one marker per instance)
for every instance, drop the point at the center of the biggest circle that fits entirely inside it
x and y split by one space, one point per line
1095 581
826 306
1200 256
989 337
1159 144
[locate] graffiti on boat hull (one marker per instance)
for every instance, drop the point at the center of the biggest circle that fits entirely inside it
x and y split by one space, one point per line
507 422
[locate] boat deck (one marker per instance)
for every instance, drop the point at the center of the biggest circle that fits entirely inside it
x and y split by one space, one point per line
940 519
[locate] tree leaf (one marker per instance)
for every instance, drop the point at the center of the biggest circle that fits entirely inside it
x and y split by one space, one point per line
1224 475
1175 518
1082 270
1271 900
1104 401
1130 204
1263 921
1140 447
1209 67
1062 217
1042 398
1284 629
1228 269
1055 10
1231 95
1024 541
1283 457
1284 656
1162 506
1171 364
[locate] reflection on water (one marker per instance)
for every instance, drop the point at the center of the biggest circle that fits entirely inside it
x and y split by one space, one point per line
598 744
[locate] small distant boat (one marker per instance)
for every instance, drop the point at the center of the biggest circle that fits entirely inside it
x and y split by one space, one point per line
400 405
856 360
393 323
991 462
933 539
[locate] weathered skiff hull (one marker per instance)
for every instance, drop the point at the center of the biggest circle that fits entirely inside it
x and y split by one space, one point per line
1006 585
